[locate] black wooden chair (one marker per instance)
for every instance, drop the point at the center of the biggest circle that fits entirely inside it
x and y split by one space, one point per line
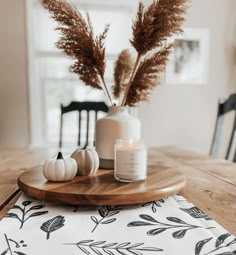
225 106
88 107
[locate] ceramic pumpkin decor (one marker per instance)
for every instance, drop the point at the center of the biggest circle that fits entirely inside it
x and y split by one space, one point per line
60 169
87 161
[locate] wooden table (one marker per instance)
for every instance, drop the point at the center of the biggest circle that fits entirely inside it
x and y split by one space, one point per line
12 163
211 183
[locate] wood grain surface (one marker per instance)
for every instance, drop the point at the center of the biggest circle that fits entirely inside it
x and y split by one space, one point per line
12 163
220 168
211 183
10 204
102 188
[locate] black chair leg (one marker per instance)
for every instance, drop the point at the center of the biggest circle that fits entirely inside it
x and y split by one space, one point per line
79 135
87 131
61 123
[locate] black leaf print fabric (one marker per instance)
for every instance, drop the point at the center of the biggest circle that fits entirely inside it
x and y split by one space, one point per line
105 216
169 226
200 244
221 239
196 213
154 204
25 212
163 226
13 246
102 247
53 225
220 244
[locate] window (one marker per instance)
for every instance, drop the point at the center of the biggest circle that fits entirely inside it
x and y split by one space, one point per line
51 83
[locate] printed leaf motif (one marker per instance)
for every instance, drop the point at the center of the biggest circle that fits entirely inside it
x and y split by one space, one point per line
37 214
176 220
218 244
200 245
12 245
221 239
196 213
17 207
154 204
136 245
232 242
179 234
17 245
24 212
149 249
5 252
148 218
94 219
101 212
110 214
101 248
123 245
105 213
26 203
156 231
109 221
108 252
164 226
227 253
109 245
95 250
139 223
53 225
36 207
133 252
114 208
98 243
12 215
83 250
154 209
85 241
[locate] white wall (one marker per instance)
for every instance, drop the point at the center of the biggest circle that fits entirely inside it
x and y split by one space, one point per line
14 117
185 115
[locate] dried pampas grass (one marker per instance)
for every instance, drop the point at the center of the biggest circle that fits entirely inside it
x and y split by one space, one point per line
133 80
156 23
152 27
122 70
147 76
78 41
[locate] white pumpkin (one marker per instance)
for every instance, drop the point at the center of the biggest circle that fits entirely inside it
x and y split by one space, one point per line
87 161
60 169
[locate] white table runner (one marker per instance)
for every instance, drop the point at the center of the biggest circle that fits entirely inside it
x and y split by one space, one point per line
169 226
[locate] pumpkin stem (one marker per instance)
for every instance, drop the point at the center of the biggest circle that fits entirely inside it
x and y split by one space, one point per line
59 155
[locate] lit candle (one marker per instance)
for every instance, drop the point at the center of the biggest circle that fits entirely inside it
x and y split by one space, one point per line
130 161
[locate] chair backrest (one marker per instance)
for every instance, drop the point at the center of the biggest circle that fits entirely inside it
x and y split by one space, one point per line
88 107
225 106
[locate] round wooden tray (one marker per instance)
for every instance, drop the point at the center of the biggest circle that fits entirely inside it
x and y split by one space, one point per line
103 189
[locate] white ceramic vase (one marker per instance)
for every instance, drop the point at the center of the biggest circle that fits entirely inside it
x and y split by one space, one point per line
118 124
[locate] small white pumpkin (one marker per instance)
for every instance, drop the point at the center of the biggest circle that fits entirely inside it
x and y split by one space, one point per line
60 169
87 161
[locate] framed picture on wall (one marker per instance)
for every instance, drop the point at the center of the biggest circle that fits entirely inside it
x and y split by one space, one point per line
188 62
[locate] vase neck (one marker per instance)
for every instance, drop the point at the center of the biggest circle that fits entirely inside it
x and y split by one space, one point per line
117 109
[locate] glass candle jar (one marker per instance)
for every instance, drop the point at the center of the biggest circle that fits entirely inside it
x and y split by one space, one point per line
130 160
